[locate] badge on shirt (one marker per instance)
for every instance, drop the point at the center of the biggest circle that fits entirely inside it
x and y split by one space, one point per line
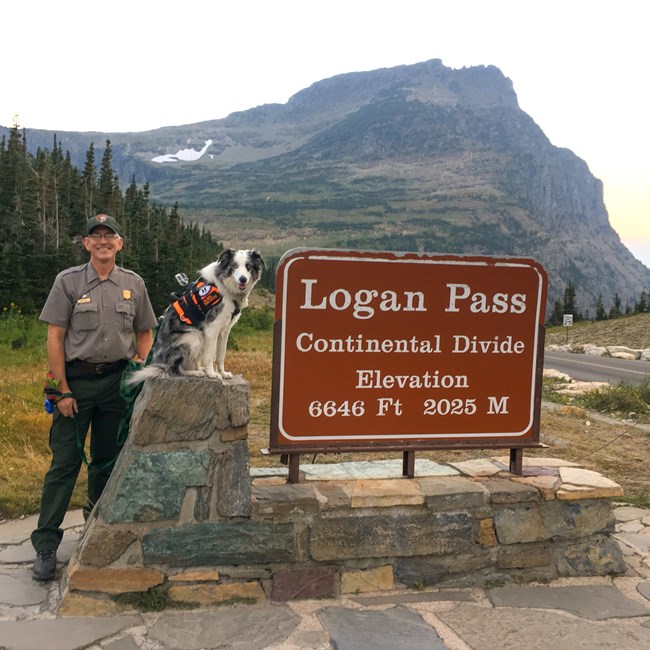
126 294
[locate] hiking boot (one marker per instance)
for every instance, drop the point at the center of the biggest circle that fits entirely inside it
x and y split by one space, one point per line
44 565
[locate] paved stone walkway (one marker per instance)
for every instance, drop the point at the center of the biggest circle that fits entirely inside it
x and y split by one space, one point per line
570 613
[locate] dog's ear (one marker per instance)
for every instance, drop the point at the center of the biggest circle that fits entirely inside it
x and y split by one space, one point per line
225 259
257 260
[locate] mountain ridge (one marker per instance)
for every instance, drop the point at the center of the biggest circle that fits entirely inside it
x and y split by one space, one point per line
416 157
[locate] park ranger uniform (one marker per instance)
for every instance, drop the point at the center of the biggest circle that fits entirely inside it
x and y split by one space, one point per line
100 318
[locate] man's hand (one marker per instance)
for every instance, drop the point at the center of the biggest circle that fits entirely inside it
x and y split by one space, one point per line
67 406
143 343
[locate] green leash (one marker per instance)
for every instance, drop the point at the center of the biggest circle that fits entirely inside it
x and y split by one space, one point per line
82 452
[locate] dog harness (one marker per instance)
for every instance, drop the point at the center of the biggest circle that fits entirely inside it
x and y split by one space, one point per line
197 300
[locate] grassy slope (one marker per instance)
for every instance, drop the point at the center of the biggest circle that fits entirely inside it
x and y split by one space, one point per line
633 332
619 450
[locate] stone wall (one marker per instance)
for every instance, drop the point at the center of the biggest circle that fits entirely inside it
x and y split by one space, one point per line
183 511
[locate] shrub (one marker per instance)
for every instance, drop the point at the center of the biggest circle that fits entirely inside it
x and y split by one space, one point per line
255 319
252 320
550 386
644 390
623 398
20 331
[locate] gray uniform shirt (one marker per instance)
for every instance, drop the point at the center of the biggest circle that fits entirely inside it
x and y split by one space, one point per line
100 317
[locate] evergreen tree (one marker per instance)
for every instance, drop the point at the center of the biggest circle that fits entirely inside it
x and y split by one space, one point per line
89 183
73 198
170 251
21 237
132 197
601 314
615 309
557 314
117 200
569 302
105 189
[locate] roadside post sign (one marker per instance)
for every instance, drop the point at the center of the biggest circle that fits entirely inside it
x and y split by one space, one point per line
567 321
406 351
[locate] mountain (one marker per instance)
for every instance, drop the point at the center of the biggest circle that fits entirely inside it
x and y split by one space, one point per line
416 157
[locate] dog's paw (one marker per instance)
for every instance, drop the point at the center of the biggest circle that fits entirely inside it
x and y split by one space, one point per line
226 375
209 372
192 373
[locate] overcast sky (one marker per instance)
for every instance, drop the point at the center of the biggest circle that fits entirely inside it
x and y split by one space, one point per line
579 67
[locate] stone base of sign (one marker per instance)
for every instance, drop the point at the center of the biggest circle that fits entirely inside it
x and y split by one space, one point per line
184 512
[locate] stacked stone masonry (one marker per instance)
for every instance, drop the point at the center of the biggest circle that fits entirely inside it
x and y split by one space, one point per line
184 510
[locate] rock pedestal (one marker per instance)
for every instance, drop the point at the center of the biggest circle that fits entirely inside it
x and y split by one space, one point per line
181 511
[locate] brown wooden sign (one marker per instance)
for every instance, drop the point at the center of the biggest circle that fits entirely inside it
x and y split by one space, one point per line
405 351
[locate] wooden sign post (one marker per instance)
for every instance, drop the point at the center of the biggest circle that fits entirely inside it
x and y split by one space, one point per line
405 351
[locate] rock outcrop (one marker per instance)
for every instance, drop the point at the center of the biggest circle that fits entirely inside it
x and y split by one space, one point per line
614 351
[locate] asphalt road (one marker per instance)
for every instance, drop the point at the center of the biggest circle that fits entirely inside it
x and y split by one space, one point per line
585 368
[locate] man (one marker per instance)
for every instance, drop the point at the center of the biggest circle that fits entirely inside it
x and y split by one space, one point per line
99 316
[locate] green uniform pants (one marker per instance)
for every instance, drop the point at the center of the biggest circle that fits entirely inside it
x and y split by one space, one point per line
100 408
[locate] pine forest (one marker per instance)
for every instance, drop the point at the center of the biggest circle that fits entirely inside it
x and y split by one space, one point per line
45 203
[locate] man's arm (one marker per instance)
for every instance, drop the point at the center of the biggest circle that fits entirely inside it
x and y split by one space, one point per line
56 355
143 343
56 359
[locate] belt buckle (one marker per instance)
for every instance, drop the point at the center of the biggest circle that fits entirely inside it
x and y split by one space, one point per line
100 367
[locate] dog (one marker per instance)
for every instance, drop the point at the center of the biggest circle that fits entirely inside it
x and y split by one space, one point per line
194 331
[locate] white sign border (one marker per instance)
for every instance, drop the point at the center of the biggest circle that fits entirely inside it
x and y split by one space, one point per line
318 255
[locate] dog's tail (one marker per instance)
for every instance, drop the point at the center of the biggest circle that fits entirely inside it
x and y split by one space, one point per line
149 372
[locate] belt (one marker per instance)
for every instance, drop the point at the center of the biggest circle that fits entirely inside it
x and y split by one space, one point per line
82 369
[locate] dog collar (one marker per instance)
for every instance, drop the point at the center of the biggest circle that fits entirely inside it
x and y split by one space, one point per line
197 300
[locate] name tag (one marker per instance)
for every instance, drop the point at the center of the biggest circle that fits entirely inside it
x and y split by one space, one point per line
83 300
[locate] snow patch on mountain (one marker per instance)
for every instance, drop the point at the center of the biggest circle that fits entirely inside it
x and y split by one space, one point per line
186 155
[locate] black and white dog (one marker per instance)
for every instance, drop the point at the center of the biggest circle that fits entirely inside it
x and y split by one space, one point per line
194 332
